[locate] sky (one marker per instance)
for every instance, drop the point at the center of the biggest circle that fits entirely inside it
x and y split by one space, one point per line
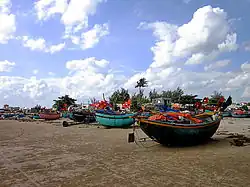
85 48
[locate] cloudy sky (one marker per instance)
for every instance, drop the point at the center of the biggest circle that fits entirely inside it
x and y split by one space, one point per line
88 47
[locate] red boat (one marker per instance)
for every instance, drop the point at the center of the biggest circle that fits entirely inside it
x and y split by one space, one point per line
49 116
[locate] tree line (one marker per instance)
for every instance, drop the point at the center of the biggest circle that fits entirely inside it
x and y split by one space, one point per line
177 96
137 99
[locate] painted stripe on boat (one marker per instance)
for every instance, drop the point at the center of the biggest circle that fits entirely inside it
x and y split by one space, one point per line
112 116
180 126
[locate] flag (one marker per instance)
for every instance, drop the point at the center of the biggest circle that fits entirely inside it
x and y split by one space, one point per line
227 103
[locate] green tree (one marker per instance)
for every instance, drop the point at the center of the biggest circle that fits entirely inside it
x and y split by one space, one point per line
153 94
137 101
119 96
244 107
134 104
167 94
215 97
174 95
59 103
141 83
187 99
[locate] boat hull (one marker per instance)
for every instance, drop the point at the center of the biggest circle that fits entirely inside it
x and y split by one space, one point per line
36 117
49 116
83 117
168 134
240 115
123 120
226 114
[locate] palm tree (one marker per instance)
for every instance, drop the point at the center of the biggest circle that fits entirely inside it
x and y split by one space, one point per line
142 83
64 100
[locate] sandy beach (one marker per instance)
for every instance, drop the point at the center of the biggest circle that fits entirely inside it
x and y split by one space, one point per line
47 154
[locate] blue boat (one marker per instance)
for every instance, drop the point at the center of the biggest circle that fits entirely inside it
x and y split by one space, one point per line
114 120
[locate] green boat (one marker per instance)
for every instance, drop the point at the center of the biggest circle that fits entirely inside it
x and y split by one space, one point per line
36 117
114 120
168 133
226 114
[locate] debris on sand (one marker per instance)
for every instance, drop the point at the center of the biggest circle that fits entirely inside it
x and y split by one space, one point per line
239 140
222 132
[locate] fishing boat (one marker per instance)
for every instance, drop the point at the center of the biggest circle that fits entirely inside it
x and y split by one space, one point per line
171 133
240 114
226 114
49 116
83 116
36 116
114 120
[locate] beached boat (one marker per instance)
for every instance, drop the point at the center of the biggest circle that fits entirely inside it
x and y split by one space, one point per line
35 116
240 114
114 120
49 116
170 133
235 115
83 116
226 114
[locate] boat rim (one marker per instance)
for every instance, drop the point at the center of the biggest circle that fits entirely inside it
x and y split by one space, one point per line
175 125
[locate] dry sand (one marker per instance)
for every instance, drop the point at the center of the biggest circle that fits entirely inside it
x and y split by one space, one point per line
46 154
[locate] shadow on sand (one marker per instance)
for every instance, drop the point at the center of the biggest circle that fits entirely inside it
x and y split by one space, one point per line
217 141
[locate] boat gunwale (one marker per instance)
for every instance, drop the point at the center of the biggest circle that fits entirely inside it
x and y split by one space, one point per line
111 116
240 115
175 125
48 114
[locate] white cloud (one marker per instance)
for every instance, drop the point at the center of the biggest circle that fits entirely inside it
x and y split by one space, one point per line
74 13
35 71
175 49
88 64
89 78
217 65
245 67
92 37
47 8
74 16
51 73
34 44
40 44
246 93
5 6
6 66
56 48
193 43
7 22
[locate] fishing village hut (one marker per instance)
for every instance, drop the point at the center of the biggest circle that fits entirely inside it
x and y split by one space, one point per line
162 101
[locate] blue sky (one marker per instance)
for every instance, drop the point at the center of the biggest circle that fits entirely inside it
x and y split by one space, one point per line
126 46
